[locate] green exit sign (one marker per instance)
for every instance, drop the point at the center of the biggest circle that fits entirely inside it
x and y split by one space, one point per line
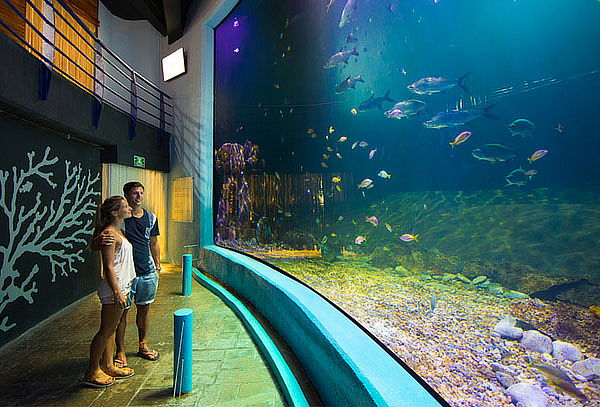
139 161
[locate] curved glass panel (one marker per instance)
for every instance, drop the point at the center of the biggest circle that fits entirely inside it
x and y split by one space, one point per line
431 167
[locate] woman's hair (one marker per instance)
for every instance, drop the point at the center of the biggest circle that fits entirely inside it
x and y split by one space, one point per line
104 217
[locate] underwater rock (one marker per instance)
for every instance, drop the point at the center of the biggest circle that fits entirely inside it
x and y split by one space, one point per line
588 368
515 295
506 328
497 367
331 249
448 277
463 279
565 351
527 395
479 280
401 269
495 288
505 380
536 341
425 277
383 257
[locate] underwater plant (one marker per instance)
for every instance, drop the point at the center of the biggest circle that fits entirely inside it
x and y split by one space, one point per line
234 207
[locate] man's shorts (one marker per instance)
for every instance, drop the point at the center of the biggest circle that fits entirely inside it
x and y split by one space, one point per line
143 288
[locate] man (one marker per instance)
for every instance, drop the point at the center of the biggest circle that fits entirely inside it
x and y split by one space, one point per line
141 229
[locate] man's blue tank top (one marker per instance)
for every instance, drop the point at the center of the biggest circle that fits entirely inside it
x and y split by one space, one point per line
138 231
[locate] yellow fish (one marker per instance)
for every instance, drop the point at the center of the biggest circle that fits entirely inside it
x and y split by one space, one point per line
276 85
340 218
313 135
333 235
342 139
339 189
323 165
325 157
329 149
336 179
310 131
355 112
331 129
388 227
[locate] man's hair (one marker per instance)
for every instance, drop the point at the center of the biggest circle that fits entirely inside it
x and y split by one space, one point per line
130 185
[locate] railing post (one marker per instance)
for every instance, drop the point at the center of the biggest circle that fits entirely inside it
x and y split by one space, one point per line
133 107
186 281
182 353
47 51
98 83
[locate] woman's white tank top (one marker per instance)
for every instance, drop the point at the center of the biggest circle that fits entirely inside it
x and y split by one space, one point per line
123 267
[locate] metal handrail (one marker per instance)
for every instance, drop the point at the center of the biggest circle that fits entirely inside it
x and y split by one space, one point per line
161 113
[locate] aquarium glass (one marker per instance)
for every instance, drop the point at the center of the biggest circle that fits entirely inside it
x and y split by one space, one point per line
433 169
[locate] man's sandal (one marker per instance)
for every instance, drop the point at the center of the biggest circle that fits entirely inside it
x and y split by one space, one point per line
146 353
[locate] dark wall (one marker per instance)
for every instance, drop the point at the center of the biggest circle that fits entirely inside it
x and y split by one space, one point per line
49 189
69 108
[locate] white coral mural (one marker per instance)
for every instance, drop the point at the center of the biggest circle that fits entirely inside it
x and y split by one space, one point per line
54 232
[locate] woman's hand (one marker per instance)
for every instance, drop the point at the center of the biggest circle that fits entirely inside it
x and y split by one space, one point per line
120 299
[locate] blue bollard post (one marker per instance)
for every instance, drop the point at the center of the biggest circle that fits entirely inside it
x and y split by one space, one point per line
186 282
182 354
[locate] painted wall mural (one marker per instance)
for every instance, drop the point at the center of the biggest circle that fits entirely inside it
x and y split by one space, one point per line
50 228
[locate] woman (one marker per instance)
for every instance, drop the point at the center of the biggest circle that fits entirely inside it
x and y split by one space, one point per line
119 271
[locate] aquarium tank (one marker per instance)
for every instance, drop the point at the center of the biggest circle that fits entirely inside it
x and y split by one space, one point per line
432 168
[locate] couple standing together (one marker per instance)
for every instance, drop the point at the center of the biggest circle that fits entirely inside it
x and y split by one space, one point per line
126 235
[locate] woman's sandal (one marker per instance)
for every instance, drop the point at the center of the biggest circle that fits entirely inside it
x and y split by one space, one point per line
146 353
119 364
99 384
127 373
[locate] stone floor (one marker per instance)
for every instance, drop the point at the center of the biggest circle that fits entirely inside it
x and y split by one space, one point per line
44 367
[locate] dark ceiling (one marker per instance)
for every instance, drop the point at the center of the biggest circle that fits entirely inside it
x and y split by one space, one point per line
166 16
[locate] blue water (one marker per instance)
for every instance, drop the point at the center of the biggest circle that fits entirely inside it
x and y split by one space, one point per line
523 59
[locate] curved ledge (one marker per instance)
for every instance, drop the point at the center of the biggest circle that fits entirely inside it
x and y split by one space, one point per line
285 378
345 364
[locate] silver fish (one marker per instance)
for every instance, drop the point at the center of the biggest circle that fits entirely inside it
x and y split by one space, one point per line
340 57
436 84
521 127
405 108
518 177
348 83
457 118
493 153
347 12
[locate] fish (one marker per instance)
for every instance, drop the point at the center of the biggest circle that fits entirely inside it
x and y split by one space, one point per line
405 108
374 102
537 155
351 38
407 237
353 111
331 129
493 153
372 220
365 183
338 188
521 127
340 218
313 135
388 227
338 155
517 177
354 145
325 156
324 165
384 174
348 83
461 138
359 239
531 173
333 235
560 128
363 144
342 139
456 118
372 153
340 57
347 13
330 149
336 179
324 240
437 84
559 380
310 131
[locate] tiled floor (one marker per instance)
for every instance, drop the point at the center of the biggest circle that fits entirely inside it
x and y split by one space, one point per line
44 367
